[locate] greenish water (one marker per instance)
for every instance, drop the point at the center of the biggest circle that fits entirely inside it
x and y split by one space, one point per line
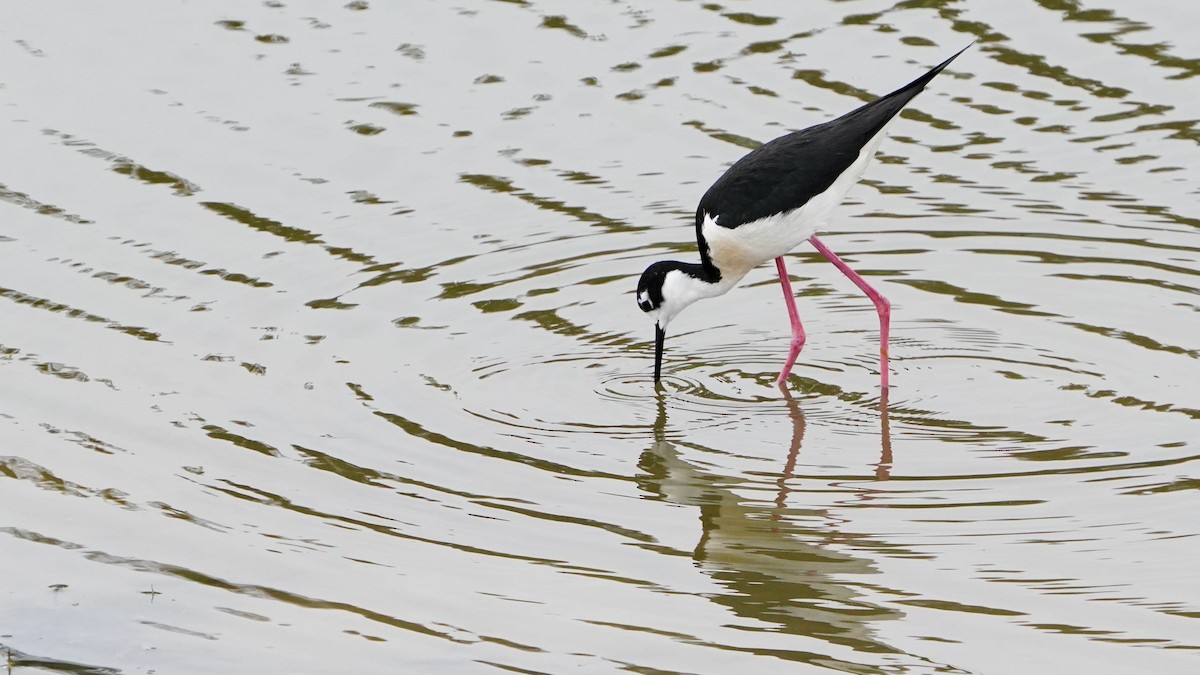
319 350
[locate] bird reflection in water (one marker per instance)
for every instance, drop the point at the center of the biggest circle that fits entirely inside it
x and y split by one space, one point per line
790 566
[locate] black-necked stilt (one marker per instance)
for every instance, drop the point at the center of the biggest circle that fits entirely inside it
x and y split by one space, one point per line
768 203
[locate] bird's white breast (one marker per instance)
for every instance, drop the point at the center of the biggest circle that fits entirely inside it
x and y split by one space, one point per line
738 250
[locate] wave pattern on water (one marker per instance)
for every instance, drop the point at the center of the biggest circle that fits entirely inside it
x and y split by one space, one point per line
317 334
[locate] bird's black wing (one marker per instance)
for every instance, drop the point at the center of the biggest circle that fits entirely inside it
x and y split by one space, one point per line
787 172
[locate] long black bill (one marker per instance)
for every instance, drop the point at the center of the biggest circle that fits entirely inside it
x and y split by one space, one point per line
659 336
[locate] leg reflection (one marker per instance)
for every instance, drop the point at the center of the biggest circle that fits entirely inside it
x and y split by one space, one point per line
787 566
883 468
789 468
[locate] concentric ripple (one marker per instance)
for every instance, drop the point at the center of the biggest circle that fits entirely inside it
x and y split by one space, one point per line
318 337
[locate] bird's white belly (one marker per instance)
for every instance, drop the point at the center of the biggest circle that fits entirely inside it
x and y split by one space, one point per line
737 251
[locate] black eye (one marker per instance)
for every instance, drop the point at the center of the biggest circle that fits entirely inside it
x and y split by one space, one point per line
645 305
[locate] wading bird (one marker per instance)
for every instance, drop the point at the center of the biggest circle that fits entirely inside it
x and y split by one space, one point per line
768 203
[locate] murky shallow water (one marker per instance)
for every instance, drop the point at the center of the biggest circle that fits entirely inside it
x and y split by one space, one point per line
318 350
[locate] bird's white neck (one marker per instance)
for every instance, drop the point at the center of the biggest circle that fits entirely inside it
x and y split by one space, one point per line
681 289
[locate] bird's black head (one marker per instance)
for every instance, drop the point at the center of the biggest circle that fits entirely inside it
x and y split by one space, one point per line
650 286
666 287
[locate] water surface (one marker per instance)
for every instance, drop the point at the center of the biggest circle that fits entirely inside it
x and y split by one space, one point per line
319 351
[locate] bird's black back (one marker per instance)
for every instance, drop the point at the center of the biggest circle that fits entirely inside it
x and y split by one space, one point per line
785 173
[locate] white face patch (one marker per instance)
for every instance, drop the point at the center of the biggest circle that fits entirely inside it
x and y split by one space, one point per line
643 297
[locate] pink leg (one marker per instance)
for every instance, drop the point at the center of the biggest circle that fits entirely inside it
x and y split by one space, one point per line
881 305
797 329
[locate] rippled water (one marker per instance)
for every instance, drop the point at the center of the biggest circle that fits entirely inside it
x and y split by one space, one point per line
319 351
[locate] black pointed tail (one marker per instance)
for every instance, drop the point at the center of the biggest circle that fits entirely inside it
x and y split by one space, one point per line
906 93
